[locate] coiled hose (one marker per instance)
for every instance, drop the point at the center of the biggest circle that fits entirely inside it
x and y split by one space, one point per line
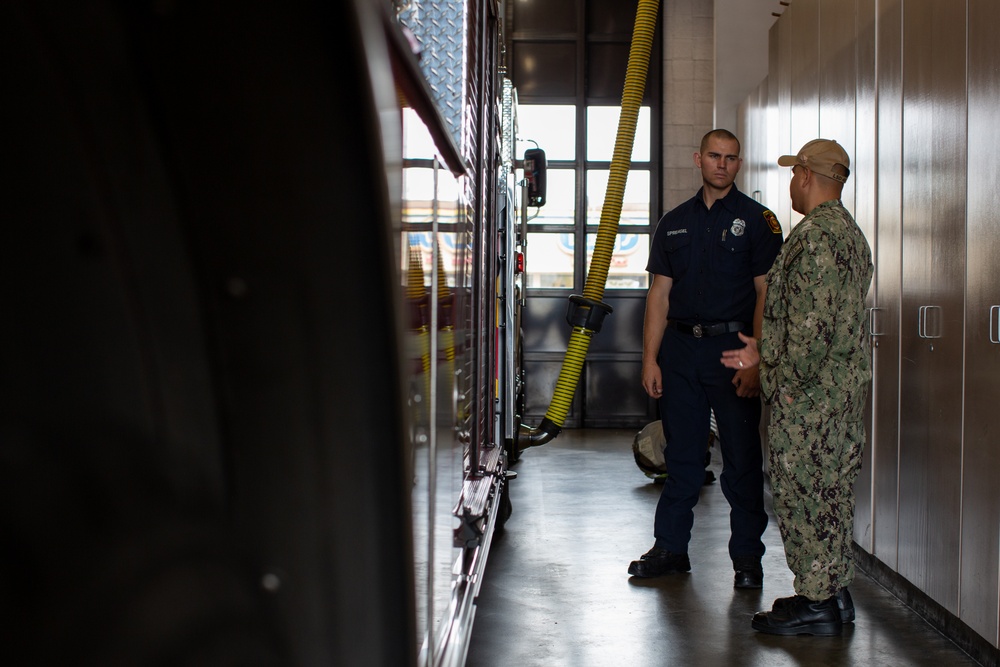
587 312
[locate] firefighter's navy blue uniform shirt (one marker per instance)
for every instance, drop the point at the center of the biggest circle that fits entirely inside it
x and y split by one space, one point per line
712 255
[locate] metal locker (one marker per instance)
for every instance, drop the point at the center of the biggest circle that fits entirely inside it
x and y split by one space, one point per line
885 319
864 168
980 456
933 270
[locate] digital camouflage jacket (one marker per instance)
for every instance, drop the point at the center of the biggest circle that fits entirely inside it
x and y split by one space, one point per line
814 339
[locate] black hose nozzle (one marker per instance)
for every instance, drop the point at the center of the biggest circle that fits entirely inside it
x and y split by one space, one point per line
586 313
532 437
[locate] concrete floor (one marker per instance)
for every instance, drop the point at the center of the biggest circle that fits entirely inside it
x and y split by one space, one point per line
556 590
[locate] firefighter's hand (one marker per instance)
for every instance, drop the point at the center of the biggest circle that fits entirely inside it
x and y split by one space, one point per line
652 380
747 382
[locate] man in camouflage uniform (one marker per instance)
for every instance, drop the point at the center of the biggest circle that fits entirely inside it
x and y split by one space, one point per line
815 369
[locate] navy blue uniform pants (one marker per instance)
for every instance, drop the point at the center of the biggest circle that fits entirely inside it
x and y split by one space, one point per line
695 382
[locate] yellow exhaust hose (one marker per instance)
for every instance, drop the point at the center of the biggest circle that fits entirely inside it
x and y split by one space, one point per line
589 309
417 299
420 317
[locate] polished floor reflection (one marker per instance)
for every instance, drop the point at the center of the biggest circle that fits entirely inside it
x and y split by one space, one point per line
556 590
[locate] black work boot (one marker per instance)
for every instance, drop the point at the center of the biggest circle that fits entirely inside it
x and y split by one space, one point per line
657 562
845 605
749 573
801 616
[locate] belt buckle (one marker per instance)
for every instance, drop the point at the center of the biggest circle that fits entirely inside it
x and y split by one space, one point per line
696 331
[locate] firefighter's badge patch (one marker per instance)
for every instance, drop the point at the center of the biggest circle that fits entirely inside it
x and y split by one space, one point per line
772 221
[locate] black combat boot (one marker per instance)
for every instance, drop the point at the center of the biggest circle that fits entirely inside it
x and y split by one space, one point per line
801 616
657 562
845 605
749 573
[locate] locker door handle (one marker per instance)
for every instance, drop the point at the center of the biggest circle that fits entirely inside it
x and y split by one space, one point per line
871 322
925 331
995 324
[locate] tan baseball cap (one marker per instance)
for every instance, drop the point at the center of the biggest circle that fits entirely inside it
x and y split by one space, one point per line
819 155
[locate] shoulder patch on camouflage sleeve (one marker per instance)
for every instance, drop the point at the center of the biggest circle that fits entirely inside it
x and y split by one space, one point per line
792 252
772 221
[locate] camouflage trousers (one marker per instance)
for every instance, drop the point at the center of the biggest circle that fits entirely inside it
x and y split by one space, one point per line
814 461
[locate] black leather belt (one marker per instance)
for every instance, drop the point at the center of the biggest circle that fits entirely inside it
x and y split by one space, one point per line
699 330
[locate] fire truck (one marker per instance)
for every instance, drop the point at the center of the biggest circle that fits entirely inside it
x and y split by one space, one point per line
263 272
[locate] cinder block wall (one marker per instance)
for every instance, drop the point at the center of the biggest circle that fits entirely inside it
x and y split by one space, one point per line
688 92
